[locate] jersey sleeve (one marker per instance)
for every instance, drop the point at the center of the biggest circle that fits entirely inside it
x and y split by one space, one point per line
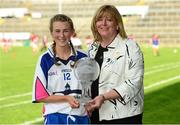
39 84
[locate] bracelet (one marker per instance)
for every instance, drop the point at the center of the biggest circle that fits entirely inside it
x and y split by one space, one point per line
104 99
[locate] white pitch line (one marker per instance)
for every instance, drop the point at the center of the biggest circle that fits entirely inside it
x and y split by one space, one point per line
33 121
15 104
162 69
15 96
161 82
161 66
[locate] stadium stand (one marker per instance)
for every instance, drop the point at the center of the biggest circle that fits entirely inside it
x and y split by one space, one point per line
161 18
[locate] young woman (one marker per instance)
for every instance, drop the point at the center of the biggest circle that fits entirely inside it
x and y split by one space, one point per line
55 84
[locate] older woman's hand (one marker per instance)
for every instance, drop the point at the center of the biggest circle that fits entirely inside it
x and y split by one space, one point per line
96 103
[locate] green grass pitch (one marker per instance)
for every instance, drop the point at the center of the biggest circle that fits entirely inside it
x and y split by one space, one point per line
161 83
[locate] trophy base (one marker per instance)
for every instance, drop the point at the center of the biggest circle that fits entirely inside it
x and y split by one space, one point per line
84 100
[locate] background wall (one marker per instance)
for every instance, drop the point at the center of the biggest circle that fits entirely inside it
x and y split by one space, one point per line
162 17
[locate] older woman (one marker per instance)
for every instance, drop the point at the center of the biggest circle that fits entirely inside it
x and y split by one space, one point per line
118 93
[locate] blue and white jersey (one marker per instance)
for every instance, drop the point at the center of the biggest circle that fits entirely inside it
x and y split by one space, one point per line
51 79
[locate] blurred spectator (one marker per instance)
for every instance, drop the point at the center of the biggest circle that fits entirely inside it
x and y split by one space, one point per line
76 41
6 45
34 42
88 40
44 43
155 44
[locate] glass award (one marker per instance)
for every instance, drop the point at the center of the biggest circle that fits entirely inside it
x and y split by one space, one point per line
86 71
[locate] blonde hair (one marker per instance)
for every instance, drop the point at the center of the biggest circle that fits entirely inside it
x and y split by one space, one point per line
111 11
61 18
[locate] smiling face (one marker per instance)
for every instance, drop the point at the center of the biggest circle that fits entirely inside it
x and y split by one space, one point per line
106 26
61 33
107 23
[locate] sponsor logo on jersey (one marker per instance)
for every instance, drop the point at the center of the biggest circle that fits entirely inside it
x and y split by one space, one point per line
52 73
66 70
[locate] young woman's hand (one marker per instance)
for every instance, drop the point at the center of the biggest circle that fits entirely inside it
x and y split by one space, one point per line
73 102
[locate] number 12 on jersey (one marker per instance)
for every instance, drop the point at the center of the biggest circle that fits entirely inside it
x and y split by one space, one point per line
67 76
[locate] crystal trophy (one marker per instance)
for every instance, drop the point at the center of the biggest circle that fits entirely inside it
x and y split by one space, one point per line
86 71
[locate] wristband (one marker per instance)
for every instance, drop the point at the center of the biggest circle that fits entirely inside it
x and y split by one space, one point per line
104 99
